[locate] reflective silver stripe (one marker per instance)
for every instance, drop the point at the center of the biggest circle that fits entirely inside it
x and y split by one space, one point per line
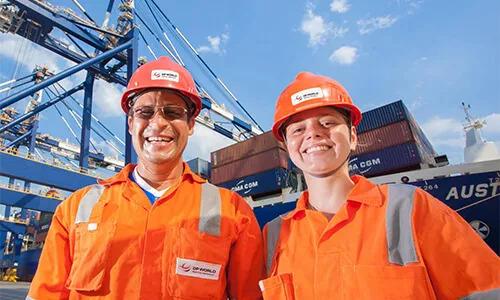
88 202
273 233
29 298
399 224
210 209
487 295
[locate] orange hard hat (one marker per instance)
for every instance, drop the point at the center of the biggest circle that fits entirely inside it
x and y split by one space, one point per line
162 73
309 91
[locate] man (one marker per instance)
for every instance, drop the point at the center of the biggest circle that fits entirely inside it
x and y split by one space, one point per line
349 238
155 230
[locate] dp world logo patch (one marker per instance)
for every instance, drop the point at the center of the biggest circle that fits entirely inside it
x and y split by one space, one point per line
305 95
196 268
167 75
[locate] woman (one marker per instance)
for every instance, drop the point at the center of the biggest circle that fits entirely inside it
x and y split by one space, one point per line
351 239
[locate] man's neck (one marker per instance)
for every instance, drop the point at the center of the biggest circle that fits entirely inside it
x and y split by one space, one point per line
160 177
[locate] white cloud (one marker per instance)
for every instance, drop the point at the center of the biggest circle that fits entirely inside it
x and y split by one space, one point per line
413 6
339 6
107 98
318 29
204 141
417 102
315 27
444 132
344 55
368 25
339 31
28 54
492 124
108 150
216 44
449 133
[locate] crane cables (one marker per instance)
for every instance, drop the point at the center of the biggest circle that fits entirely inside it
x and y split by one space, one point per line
200 59
18 81
96 120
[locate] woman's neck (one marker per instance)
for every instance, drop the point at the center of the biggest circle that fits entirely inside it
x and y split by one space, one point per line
328 194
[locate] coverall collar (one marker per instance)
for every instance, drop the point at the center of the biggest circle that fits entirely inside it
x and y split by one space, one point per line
124 174
364 192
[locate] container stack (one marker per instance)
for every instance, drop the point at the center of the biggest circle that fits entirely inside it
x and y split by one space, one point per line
254 167
200 167
42 226
390 141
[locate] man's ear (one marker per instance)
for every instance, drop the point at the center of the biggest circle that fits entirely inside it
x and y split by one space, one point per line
191 123
129 122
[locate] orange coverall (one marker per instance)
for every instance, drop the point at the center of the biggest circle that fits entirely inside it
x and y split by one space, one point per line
413 248
130 249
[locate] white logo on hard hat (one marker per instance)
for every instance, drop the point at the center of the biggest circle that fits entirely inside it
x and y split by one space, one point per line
305 95
165 75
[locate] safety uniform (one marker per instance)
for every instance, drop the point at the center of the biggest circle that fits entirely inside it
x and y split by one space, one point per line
386 242
107 241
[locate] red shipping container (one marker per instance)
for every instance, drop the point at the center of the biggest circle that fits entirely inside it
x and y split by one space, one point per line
270 159
241 150
383 137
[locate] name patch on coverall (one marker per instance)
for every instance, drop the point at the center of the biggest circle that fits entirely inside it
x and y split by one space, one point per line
196 268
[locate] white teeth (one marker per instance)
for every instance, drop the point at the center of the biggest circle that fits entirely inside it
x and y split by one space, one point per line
158 139
317 148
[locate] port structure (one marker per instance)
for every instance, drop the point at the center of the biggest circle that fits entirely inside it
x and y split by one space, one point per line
36 183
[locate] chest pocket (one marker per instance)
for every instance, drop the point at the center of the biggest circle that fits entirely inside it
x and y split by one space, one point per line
196 260
92 239
197 265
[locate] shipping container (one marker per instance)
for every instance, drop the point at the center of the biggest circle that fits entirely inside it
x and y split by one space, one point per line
45 218
392 113
263 183
41 234
200 167
28 263
383 137
392 135
252 146
270 159
383 115
396 158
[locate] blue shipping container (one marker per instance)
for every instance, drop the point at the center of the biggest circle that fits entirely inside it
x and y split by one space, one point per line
383 115
261 183
386 160
200 167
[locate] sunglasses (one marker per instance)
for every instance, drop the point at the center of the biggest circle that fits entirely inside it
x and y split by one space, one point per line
170 112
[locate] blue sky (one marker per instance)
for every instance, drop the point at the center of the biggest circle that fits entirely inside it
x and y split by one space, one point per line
431 54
